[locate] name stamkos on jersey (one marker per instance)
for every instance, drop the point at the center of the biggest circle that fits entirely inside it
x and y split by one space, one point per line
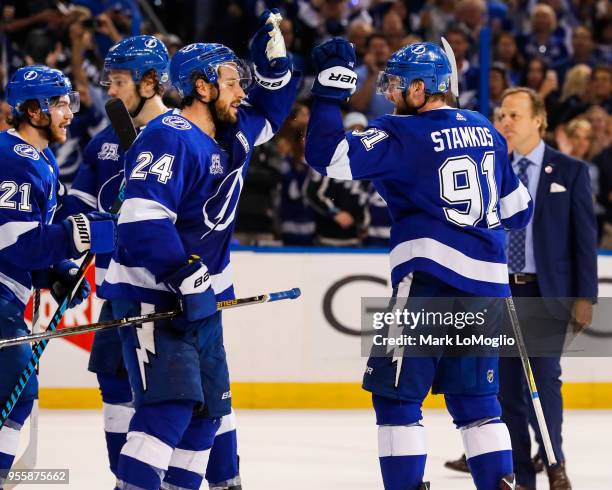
26 151
109 151
176 122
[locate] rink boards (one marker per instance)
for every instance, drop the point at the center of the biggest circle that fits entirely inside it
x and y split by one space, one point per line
304 353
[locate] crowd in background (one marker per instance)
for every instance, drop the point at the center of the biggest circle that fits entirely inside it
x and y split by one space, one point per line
560 48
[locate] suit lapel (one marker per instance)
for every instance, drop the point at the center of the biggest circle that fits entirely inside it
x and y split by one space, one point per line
545 180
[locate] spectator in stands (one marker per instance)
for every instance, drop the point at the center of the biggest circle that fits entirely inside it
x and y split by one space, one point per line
394 30
544 81
574 96
601 124
435 19
5 112
468 73
582 47
365 99
288 31
601 87
507 52
472 15
541 41
498 82
358 33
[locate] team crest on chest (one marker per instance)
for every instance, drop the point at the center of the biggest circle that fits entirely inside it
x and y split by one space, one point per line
215 167
26 151
109 151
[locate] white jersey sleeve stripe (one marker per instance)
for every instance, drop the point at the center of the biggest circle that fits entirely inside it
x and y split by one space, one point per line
22 293
138 209
515 202
340 167
10 232
85 197
265 134
450 258
141 277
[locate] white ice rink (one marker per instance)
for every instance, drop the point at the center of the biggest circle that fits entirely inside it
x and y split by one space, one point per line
317 450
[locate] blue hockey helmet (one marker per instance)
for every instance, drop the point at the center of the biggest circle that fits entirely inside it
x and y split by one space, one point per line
138 55
40 83
420 61
204 59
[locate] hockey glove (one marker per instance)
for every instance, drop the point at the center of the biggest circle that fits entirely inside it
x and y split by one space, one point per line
60 279
191 283
96 232
269 53
334 61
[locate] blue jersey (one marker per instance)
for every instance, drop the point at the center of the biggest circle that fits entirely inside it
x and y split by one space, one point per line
181 196
28 200
450 189
96 185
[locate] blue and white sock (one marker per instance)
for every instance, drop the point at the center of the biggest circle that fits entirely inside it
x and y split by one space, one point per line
190 458
488 451
118 411
222 469
155 430
402 452
9 435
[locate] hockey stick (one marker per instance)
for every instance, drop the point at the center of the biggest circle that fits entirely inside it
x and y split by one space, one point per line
533 389
454 73
152 317
124 127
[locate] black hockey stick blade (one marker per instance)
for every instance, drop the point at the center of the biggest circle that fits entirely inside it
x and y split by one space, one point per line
121 122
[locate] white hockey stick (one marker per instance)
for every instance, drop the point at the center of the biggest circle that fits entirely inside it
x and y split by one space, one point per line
27 460
454 74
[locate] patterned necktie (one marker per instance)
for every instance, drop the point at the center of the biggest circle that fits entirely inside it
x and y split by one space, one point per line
516 242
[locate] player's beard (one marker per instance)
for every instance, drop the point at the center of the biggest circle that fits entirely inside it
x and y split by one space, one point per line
224 113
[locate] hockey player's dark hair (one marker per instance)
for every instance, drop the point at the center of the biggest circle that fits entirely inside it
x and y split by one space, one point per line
17 120
152 76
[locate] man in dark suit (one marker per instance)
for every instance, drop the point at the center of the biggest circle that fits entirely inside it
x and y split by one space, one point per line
554 258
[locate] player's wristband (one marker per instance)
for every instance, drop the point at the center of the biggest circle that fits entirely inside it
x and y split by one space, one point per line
272 83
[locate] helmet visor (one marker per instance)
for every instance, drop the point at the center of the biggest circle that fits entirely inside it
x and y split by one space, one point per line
387 83
72 100
234 72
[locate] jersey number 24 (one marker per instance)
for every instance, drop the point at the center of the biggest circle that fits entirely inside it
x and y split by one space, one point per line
460 184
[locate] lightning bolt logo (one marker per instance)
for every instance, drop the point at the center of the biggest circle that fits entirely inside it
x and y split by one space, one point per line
395 331
146 342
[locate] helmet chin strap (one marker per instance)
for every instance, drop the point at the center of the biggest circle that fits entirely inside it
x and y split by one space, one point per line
414 110
141 103
47 128
212 106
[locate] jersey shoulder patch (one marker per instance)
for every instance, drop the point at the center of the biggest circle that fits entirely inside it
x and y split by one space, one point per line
176 122
27 151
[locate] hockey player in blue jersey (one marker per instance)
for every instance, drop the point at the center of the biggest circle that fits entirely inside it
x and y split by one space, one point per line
33 251
135 71
451 191
184 175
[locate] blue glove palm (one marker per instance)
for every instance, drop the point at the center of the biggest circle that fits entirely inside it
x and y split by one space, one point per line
334 61
269 54
192 285
60 279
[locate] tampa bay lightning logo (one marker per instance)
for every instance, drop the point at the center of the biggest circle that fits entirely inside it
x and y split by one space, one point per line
26 151
189 47
109 190
150 43
219 210
418 49
176 122
30 75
